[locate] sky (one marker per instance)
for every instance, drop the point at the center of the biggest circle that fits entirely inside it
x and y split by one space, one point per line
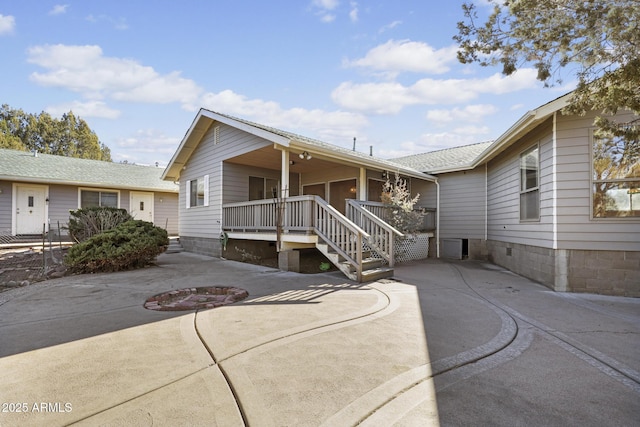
383 72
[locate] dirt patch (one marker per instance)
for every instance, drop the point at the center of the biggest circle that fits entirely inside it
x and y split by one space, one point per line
21 267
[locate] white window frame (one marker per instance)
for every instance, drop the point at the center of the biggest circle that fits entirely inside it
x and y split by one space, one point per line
97 190
593 182
522 184
205 180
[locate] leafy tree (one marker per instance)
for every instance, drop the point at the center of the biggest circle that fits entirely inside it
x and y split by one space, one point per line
400 211
400 206
599 40
8 140
68 136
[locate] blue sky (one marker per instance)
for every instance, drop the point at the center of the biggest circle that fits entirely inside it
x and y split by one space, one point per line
384 72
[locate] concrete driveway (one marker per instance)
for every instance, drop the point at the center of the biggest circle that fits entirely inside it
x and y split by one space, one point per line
444 343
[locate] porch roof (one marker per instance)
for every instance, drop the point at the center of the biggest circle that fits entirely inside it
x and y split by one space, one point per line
205 118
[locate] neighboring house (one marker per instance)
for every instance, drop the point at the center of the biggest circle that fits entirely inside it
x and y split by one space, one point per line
248 189
38 190
547 200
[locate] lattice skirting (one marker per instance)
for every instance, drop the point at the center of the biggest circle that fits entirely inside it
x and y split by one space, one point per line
416 247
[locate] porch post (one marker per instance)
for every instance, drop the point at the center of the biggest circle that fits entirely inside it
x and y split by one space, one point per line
284 179
362 190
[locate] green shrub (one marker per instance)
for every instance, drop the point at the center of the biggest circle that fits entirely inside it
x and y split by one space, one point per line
87 222
132 244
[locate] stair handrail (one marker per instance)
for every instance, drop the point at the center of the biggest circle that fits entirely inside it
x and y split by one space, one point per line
350 245
375 226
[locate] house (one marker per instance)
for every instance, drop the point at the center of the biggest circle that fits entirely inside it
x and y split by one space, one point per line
248 190
547 200
37 191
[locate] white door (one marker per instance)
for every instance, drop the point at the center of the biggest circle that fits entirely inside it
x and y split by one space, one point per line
30 209
141 205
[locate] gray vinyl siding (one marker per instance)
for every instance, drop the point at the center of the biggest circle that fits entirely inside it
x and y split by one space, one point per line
62 199
5 207
462 204
423 189
207 159
503 193
236 181
166 211
576 228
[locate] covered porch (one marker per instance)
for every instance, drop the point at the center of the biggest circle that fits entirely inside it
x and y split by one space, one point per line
301 197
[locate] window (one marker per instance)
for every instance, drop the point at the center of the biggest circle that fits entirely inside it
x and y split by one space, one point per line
616 177
263 188
529 184
198 192
93 198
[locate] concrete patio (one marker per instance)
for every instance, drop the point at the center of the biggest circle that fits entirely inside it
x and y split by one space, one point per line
459 343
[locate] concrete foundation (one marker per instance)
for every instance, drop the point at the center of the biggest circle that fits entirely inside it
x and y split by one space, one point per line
253 251
563 270
202 245
289 261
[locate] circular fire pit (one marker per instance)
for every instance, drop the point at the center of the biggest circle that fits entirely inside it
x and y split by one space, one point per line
195 298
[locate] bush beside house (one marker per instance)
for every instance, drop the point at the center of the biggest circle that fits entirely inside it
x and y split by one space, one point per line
132 244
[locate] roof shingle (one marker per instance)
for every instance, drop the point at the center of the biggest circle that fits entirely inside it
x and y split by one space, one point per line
22 165
449 158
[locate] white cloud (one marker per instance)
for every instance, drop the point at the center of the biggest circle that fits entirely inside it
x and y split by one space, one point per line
405 55
392 97
328 17
59 9
378 98
353 14
326 4
150 144
338 127
389 26
118 23
325 8
7 24
470 113
437 141
84 69
84 109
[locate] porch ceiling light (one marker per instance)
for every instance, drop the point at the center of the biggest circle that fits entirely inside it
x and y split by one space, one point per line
305 155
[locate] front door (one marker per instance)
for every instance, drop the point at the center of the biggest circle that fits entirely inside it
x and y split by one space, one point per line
339 191
30 209
141 206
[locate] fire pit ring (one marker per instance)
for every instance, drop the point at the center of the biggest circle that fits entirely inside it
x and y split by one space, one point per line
195 298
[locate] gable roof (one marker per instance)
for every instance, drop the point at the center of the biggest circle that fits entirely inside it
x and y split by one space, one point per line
24 166
470 156
447 159
205 118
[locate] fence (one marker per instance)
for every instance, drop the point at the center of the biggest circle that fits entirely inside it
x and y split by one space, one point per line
28 259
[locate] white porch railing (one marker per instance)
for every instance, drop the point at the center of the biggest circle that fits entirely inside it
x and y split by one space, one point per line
381 211
382 236
309 214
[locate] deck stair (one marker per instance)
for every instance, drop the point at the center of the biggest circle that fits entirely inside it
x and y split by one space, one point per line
344 239
372 268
